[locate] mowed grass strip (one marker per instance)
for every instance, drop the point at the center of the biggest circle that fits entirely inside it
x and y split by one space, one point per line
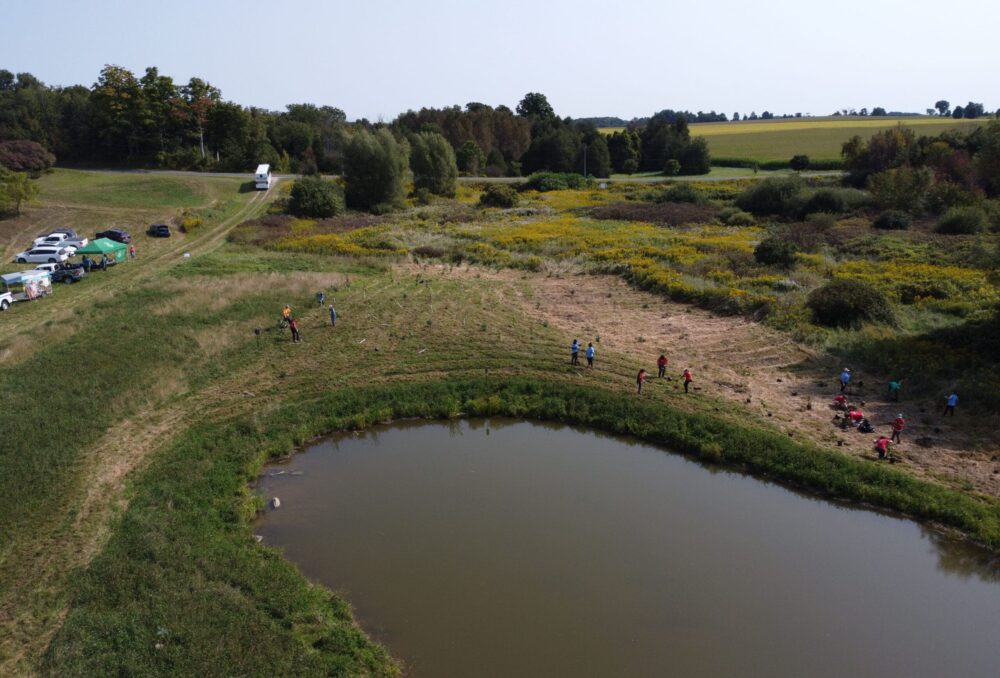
133 190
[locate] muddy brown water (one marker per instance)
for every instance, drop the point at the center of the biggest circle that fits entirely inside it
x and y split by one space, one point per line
511 548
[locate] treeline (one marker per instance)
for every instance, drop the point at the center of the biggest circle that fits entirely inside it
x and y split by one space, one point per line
149 120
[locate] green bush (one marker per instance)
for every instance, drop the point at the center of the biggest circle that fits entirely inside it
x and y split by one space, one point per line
375 167
799 162
554 181
848 303
432 161
499 195
823 221
776 250
771 197
736 217
944 195
892 220
671 167
963 221
314 197
681 193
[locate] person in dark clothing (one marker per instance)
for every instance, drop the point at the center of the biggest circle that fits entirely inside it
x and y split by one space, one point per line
104 262
687 378
661 364
574 353
333 316
294 327
87 263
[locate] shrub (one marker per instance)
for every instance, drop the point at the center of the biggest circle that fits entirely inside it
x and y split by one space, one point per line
22 155
375 167
824 200
681 193
776 250
771 196
963 221
892 220
432 161
736 217
901 189
823 221
671 167
315 197
944 195
554 181
499 195
799 162
848 303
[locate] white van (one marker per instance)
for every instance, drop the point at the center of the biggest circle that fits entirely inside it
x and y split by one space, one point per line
262 177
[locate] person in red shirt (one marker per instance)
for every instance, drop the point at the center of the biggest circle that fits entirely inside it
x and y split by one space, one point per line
897 427
840 402
687 378
640 379
661 363
882 446
855 417
294 326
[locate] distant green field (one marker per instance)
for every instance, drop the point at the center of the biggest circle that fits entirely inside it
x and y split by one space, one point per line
819 138
132 189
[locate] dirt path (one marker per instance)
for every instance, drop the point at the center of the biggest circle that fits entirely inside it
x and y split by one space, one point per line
761 371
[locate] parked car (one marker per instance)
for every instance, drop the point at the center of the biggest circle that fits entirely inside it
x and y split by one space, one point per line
6 299
68 231
47 267
67 275
41 255
159 231
50 239
116 234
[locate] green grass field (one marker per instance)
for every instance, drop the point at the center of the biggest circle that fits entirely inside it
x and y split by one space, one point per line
141 403
818 138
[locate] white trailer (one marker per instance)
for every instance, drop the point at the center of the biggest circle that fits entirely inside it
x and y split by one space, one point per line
262 177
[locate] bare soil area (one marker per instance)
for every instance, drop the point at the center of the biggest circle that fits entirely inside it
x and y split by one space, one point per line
761 371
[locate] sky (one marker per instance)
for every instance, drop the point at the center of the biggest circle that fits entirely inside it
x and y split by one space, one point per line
630 58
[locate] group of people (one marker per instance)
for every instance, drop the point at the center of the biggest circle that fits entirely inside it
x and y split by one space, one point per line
661 372
288 319
852 415
640 380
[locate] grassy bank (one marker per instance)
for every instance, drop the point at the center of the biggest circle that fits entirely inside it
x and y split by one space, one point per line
182 587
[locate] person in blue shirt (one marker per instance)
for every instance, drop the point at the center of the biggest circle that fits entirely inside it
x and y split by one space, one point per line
574 353
590 355
950 403
845 378
320 298
333 316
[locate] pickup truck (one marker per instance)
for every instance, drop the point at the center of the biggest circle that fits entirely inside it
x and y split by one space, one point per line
61 239
6 299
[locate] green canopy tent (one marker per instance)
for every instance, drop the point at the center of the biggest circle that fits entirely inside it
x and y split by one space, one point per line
115 251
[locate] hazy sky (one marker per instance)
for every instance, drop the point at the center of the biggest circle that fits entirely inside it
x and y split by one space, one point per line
629 58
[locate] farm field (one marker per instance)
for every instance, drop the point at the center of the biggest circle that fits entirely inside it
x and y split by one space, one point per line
818 138
125 484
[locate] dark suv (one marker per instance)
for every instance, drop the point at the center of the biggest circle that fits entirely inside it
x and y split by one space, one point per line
67 275
159 231
115 234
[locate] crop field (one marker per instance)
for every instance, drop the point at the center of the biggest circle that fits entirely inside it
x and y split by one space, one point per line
143 401
818 138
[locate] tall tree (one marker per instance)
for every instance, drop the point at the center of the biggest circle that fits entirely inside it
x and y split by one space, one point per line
200 97
943 107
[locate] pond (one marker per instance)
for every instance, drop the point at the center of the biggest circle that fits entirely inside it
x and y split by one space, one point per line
501 548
